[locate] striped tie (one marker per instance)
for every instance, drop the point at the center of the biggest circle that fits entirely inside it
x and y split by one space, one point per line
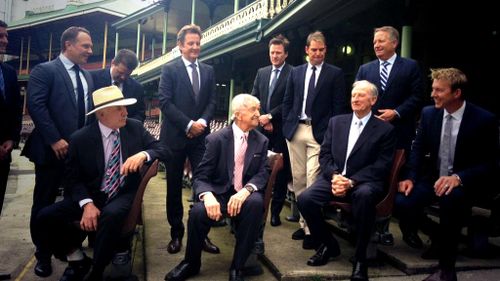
384 75
239 162
113 179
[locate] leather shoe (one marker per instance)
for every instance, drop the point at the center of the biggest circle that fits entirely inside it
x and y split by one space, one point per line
4 276
235 275
292 218
443 275
275 220
359 272
174 246
413 240
386 239
182 271
310 243
323 255
299 234
43 268
76 270
209 247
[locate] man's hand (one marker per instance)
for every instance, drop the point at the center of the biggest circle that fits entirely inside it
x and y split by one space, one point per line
236 201
60 148
445 184
387 114
405 187
89 217
268 127
340 185
212 206
264 120
133 163
197 128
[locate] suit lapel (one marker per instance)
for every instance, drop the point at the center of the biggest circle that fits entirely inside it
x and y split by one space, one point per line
184 77
97 143
344 129
301 81
251 147
124 136
228 135
70 90
267 78
365 134
394 72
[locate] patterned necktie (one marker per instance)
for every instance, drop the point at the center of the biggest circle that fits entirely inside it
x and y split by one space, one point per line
310 92
274 78
384 75
196 81
239 162
80 97
445 148
112 179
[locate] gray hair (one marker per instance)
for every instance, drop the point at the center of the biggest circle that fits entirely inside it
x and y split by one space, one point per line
241 101
364 84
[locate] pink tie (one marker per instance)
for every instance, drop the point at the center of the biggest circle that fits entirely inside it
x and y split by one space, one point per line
239 162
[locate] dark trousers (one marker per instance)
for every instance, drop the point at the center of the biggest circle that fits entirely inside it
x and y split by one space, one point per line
363 197
248 223
57 232
281 185
47 182
4 176
175 167
453 211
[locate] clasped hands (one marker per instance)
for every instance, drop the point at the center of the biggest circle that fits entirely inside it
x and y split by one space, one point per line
340 185
213 209
197 128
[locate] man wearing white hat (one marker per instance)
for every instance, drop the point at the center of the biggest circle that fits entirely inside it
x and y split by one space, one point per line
101 181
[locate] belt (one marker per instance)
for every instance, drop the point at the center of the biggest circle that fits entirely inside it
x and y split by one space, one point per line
308 122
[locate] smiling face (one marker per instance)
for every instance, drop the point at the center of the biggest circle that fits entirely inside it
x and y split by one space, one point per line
362 100
316 51
79 50
444 96
247 117
190 48
383 45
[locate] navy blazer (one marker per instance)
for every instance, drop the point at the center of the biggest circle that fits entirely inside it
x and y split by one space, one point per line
371 157
330 99
179 105
215 172
85 171
404 93
52 106
476 150
131 89
11 107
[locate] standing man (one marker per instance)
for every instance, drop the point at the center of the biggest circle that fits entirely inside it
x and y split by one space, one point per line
452 161
399 82
187 100
230 180
58 99
269 87
356 159
315 92
118 74
11 113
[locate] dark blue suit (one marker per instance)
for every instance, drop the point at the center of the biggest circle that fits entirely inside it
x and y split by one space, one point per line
404 93
11 114
131 89
475 160
368 166
52 106
179 106
215 174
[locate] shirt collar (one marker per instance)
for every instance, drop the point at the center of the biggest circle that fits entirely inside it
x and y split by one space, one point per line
68 64
237 132
457 115
105 130
318 67
188 63
364 120
280 68
391 60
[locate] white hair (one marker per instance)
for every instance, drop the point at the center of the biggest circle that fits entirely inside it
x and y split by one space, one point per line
241 101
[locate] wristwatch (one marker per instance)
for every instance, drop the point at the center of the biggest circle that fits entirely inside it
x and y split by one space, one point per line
249 188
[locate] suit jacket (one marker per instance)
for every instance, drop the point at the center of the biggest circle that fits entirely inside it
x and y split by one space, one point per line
85 171
476 150
131 89
261 91
371 157
330 99
11 111
178 103
404 93
215 172
52 106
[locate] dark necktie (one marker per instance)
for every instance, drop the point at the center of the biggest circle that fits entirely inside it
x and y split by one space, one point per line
196 81
384 75
445 148
80 98
310 92
2 85
274 79
113 179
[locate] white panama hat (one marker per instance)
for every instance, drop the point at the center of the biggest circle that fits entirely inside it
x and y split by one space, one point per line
109 96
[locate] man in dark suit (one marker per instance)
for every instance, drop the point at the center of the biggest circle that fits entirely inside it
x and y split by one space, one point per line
401 91
58 98
187 100
11 114
122 65
99 186
230 180
269 87
452 162
315 92
355 160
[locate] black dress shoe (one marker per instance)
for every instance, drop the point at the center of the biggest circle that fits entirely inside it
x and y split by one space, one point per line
182 271
174 246
292 218
323 255
359 272
43 268
387 239
76 270
235 275
310 243
299 234
209 247
413 240
443 275
275 220
4 276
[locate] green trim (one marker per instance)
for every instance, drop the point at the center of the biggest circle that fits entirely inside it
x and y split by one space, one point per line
138 15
